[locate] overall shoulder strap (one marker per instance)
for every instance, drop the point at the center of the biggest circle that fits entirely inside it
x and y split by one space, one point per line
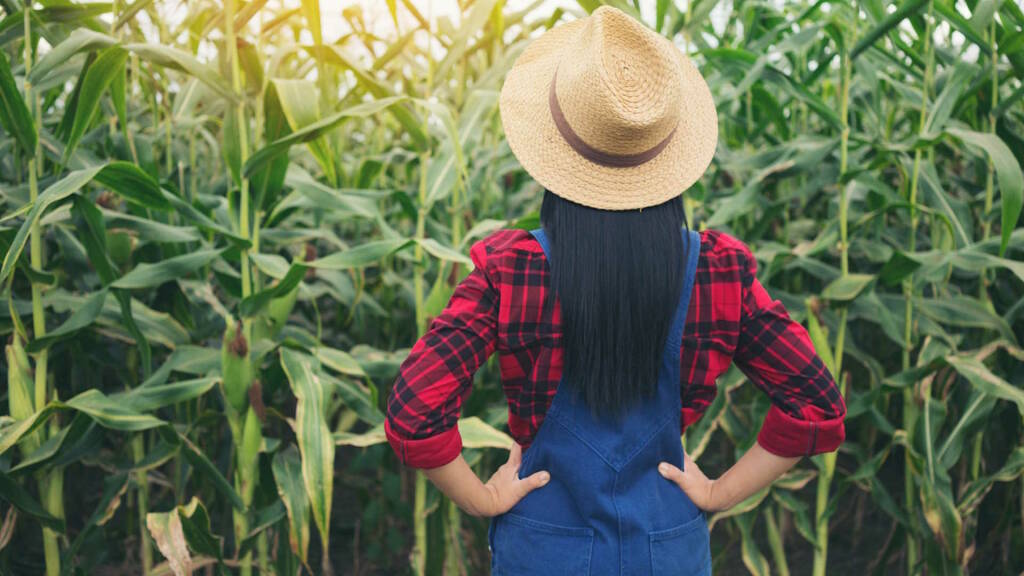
542 238
692 255
675 334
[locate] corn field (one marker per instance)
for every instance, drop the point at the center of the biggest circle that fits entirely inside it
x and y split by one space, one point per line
225 222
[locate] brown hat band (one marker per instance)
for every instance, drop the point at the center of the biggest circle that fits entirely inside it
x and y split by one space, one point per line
593 154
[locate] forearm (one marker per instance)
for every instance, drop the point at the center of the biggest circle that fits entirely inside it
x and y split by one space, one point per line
459 483
755 470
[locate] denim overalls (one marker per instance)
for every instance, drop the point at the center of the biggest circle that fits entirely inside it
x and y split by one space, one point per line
606 509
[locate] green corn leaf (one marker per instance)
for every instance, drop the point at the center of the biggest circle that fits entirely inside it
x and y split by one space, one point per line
149 398
661 10
266 183
893 19
940 111
193 360
846 288
469 26
288 475
13 433
313 436
265 518
371 437
441 252
203 466
128 13
81 318
112 414
801 517
357 398
14 113
151 230
119 95
743 507
93 235
147 274
975 410
478 434
983 13
80 40
1011 179
175 59
931 182
134 185
97 78
68 445
338 201
899 266
1012 469
795 479
189 213
58 191
72 13
272 265
981 378
405 116
195 526
393 10
231 149
963 311
299 100
360 256
751 555
339 361
255 303
106 411
942 516
18 497
315 130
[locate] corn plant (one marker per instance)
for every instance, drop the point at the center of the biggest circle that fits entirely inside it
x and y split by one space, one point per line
224 223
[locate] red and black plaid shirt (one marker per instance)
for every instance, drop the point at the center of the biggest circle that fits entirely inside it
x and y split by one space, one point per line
503 305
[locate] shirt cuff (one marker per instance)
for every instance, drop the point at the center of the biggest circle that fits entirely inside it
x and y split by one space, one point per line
786 436
430 452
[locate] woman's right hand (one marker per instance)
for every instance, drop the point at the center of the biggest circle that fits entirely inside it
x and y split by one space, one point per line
505 488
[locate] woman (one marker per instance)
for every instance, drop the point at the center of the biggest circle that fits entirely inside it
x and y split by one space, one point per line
612 322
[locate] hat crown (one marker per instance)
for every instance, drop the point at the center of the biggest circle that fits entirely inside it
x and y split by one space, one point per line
621 93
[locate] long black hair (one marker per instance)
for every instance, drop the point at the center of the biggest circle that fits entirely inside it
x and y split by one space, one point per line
618 276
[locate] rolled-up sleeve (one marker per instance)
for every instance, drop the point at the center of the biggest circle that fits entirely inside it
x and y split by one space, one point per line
426 400
776 354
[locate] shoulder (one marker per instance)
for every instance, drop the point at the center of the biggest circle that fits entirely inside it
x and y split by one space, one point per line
724 255
504 250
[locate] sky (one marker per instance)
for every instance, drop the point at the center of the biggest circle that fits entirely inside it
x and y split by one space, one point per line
379 19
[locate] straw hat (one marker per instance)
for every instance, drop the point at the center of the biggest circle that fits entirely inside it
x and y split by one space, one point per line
609 114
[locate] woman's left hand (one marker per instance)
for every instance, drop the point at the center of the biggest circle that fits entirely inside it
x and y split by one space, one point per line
693 482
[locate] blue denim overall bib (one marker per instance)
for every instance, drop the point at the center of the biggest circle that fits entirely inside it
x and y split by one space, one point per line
606 509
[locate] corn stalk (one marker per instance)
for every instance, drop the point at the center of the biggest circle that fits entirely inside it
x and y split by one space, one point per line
244 424
50 481
827 469
911 412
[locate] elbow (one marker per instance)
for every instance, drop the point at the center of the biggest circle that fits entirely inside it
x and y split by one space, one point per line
426 452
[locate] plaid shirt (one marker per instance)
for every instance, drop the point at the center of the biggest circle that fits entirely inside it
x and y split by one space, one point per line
503 305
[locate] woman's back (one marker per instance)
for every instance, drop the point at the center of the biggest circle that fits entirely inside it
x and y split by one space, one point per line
504 306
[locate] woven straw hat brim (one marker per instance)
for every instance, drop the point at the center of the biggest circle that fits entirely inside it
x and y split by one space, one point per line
542 151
